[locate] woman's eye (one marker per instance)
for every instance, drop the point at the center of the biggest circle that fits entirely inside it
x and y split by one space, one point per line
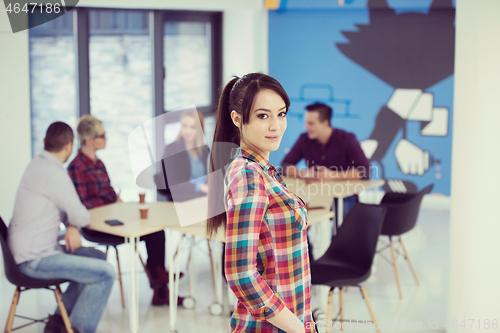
282 114
262 116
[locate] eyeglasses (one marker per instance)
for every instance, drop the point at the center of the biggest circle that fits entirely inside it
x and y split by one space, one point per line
101 136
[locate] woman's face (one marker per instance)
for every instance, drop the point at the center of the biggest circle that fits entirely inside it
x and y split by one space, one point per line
189 129
266 125
99 141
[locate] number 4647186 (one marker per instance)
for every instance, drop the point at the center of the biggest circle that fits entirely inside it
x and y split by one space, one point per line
47 8
472 324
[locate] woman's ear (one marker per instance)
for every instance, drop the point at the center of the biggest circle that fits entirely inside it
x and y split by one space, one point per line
236 118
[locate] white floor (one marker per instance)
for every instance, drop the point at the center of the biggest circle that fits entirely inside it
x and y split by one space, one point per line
427 244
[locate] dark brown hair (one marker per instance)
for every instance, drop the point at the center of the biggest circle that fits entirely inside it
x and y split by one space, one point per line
57 136
324 111
239 95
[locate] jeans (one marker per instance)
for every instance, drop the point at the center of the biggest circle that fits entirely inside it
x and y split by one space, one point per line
91 280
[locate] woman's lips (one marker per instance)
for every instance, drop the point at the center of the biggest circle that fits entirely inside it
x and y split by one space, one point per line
274 138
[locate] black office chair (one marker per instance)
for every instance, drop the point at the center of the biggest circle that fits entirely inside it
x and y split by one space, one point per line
23 282
401 217
348 260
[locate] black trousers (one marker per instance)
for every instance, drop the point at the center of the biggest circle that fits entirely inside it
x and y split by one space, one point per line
155 245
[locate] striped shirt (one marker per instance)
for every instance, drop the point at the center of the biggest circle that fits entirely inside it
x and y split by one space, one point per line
266 263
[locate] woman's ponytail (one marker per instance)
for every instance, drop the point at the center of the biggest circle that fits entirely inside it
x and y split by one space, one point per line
226 136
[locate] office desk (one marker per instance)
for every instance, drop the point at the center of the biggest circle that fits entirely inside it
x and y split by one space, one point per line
133 228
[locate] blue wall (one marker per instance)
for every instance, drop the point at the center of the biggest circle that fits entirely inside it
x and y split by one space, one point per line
305 59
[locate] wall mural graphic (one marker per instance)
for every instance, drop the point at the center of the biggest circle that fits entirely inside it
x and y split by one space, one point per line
405 51
402 119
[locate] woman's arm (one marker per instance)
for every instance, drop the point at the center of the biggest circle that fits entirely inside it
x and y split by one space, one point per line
287 321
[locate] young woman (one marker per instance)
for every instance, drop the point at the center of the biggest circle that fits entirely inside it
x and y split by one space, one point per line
266 258
186 160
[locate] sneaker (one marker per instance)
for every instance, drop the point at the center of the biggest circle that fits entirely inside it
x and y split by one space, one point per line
158 277
161 296
55 324
64 330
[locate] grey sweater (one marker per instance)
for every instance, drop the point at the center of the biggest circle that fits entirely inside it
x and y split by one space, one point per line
46 196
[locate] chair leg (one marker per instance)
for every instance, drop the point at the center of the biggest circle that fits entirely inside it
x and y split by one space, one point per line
190 252
409 261
395 267
329 310
341 305
142 261
179 245
12 312
62 308
212 265
370 309
120 277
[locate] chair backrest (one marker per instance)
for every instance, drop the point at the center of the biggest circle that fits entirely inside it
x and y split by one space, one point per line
402 211
12 272
355 243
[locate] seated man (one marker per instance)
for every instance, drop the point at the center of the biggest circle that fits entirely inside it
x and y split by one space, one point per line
330 153
93 186
45 197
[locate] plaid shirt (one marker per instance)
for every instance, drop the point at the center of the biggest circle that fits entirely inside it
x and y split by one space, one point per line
91 181
267 264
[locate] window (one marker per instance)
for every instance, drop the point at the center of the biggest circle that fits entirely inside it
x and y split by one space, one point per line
187 63
52 77
120 87
131 66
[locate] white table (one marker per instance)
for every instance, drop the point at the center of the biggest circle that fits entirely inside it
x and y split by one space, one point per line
134 227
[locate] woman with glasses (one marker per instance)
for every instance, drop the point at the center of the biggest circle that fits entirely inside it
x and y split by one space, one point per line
93 185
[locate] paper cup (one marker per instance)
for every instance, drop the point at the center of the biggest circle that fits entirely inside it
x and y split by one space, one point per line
144 213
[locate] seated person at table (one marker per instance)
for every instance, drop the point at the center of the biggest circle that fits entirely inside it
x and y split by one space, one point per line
93 186
45 197
330 153
185 161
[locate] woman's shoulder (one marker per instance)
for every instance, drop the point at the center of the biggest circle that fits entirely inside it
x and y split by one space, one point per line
242 167
175 147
